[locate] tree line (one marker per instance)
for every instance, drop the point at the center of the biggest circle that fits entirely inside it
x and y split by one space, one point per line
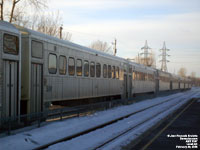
33 14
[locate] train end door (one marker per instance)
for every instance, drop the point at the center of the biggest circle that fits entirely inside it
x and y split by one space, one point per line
125 87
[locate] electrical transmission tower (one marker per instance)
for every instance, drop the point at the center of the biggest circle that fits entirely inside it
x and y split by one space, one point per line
146 55
164 58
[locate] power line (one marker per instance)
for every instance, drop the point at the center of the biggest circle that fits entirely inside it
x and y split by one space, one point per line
185 62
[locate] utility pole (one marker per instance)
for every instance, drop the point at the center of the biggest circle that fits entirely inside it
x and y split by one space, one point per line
164 57
61 28
146 54
115 46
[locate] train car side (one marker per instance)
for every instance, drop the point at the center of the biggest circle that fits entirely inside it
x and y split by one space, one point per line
57 71
164 81
143 79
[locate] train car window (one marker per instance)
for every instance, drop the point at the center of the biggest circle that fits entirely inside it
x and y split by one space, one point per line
146 77
109 71
133 75
153 77
62 65
71 66
10 44
138 75
86 68
79 67
113 72
130 70
52 64
105 70
92 69
98 70
149 77
143 76
117 72
37 49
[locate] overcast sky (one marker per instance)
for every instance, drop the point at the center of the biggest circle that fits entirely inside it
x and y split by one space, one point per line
131 22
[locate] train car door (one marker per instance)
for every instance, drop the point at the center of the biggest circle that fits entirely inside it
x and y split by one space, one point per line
156 77
125 86
36 87
11 87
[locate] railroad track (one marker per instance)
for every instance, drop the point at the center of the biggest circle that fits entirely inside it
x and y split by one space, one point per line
108 143
114 121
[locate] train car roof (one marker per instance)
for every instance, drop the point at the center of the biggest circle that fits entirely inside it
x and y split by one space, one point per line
142 68
46 37
6 26
163 73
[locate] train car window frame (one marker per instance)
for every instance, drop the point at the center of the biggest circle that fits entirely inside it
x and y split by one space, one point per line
98 70
109 71
105 71
54 68
71 68
7 43
63 70
37 50
86 68
79 68
92 69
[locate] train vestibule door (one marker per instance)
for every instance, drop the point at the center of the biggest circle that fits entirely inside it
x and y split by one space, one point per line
36 88
125 86
10 88
130 86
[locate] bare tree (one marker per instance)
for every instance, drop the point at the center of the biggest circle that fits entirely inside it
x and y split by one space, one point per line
101 46
2 6
47 23
182 72
35 3
12 6
50 24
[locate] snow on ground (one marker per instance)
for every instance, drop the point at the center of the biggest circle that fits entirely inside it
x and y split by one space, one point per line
88 141
56 130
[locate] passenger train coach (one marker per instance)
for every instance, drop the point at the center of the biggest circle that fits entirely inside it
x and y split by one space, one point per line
37 70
